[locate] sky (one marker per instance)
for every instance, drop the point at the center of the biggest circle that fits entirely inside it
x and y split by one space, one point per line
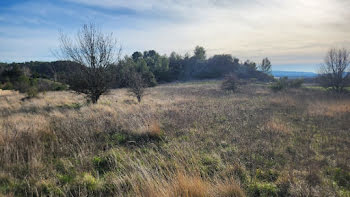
294 34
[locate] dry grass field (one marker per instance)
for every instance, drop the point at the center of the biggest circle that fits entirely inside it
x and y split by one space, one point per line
185 139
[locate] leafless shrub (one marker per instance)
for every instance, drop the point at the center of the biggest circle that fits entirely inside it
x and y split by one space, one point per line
334 72
96 54
136 85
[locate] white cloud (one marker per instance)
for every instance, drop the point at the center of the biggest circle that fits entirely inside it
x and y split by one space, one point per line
288 31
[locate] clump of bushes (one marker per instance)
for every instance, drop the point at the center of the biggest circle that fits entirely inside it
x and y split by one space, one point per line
48 85
20 79
230 82
284 83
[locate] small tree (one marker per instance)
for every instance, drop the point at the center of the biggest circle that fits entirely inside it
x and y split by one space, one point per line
265 66
137 85
96 54
230 82
334 72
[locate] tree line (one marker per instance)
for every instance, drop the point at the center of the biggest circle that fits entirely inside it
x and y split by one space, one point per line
92 65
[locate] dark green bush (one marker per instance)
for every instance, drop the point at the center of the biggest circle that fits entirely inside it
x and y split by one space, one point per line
7 86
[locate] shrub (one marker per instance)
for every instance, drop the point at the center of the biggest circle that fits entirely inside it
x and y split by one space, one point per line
262 189
137 85
283 83
7 86
31 92
279 84
48 85
230 82
296 83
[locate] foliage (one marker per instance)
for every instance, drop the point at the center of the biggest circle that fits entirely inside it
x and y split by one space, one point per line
296 83
279 84
284 83
199 53
262 189
16 78
128 66
155 68
265 66
220 65
268 176
340 176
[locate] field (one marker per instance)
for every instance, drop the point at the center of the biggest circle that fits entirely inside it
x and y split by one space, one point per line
184 139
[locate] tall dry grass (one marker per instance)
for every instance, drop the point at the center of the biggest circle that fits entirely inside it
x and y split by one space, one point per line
187 139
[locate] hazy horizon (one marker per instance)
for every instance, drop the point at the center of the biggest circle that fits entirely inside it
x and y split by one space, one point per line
295 35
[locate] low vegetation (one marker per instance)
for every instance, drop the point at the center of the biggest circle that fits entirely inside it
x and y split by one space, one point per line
237 135
184 139
285 83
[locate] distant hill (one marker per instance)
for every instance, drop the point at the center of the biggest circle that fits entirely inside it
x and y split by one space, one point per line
293 74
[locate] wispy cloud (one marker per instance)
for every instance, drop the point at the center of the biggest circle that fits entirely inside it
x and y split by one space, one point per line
290 31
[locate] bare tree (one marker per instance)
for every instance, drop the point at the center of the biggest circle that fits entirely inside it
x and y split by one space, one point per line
96 53
334 72
136 85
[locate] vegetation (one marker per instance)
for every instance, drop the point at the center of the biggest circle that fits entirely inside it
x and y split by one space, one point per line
335 72
265 66
199 138
184 139
230 82
284 83
20 79
137 85
94 52
153 67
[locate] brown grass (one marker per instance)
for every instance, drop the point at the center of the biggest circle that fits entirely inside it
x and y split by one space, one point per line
276 125
58 145
330 108
187 186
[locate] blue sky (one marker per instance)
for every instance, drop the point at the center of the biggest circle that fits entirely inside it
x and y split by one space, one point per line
294 34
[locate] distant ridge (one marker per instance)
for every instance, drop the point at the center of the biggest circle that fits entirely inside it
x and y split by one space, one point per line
293 74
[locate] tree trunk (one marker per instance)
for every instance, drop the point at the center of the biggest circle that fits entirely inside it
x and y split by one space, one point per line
139 98
94 98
